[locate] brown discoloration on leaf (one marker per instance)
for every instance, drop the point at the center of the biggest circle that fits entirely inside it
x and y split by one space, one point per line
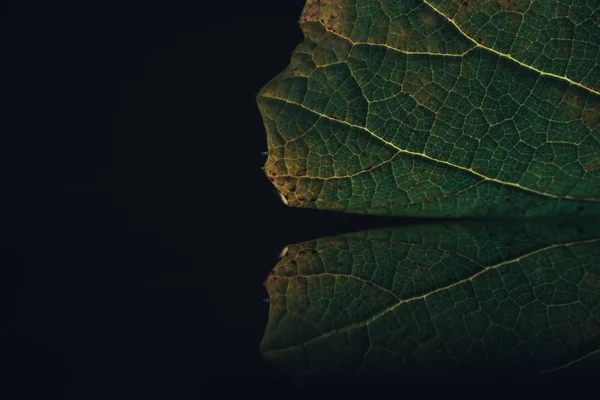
401 117
591 117
590 279
274 284
404 34
516 6
508 5
285 183
338 207
589 167
300 172
325 12
428 19
467 5
523 47
464 12
562 10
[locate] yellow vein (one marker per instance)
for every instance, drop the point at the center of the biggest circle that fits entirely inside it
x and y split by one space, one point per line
423 296
387 46
401 150
365 281
363 171
508 56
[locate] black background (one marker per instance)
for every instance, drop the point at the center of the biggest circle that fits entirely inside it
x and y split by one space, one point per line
139 226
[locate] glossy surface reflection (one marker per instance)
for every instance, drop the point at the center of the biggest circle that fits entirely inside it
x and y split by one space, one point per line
517 300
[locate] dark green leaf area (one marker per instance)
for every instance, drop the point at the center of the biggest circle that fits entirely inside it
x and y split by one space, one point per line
518 300
439 108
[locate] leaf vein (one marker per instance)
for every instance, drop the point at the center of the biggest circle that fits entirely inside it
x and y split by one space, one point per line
508 56
386 310
423 155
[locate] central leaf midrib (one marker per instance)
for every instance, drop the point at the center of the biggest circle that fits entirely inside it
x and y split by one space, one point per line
401 150
423 296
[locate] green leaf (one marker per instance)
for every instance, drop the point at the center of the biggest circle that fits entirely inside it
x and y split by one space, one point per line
517 300
440 108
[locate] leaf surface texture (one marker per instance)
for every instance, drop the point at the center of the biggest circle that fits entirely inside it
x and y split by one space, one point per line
519 298
439 108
